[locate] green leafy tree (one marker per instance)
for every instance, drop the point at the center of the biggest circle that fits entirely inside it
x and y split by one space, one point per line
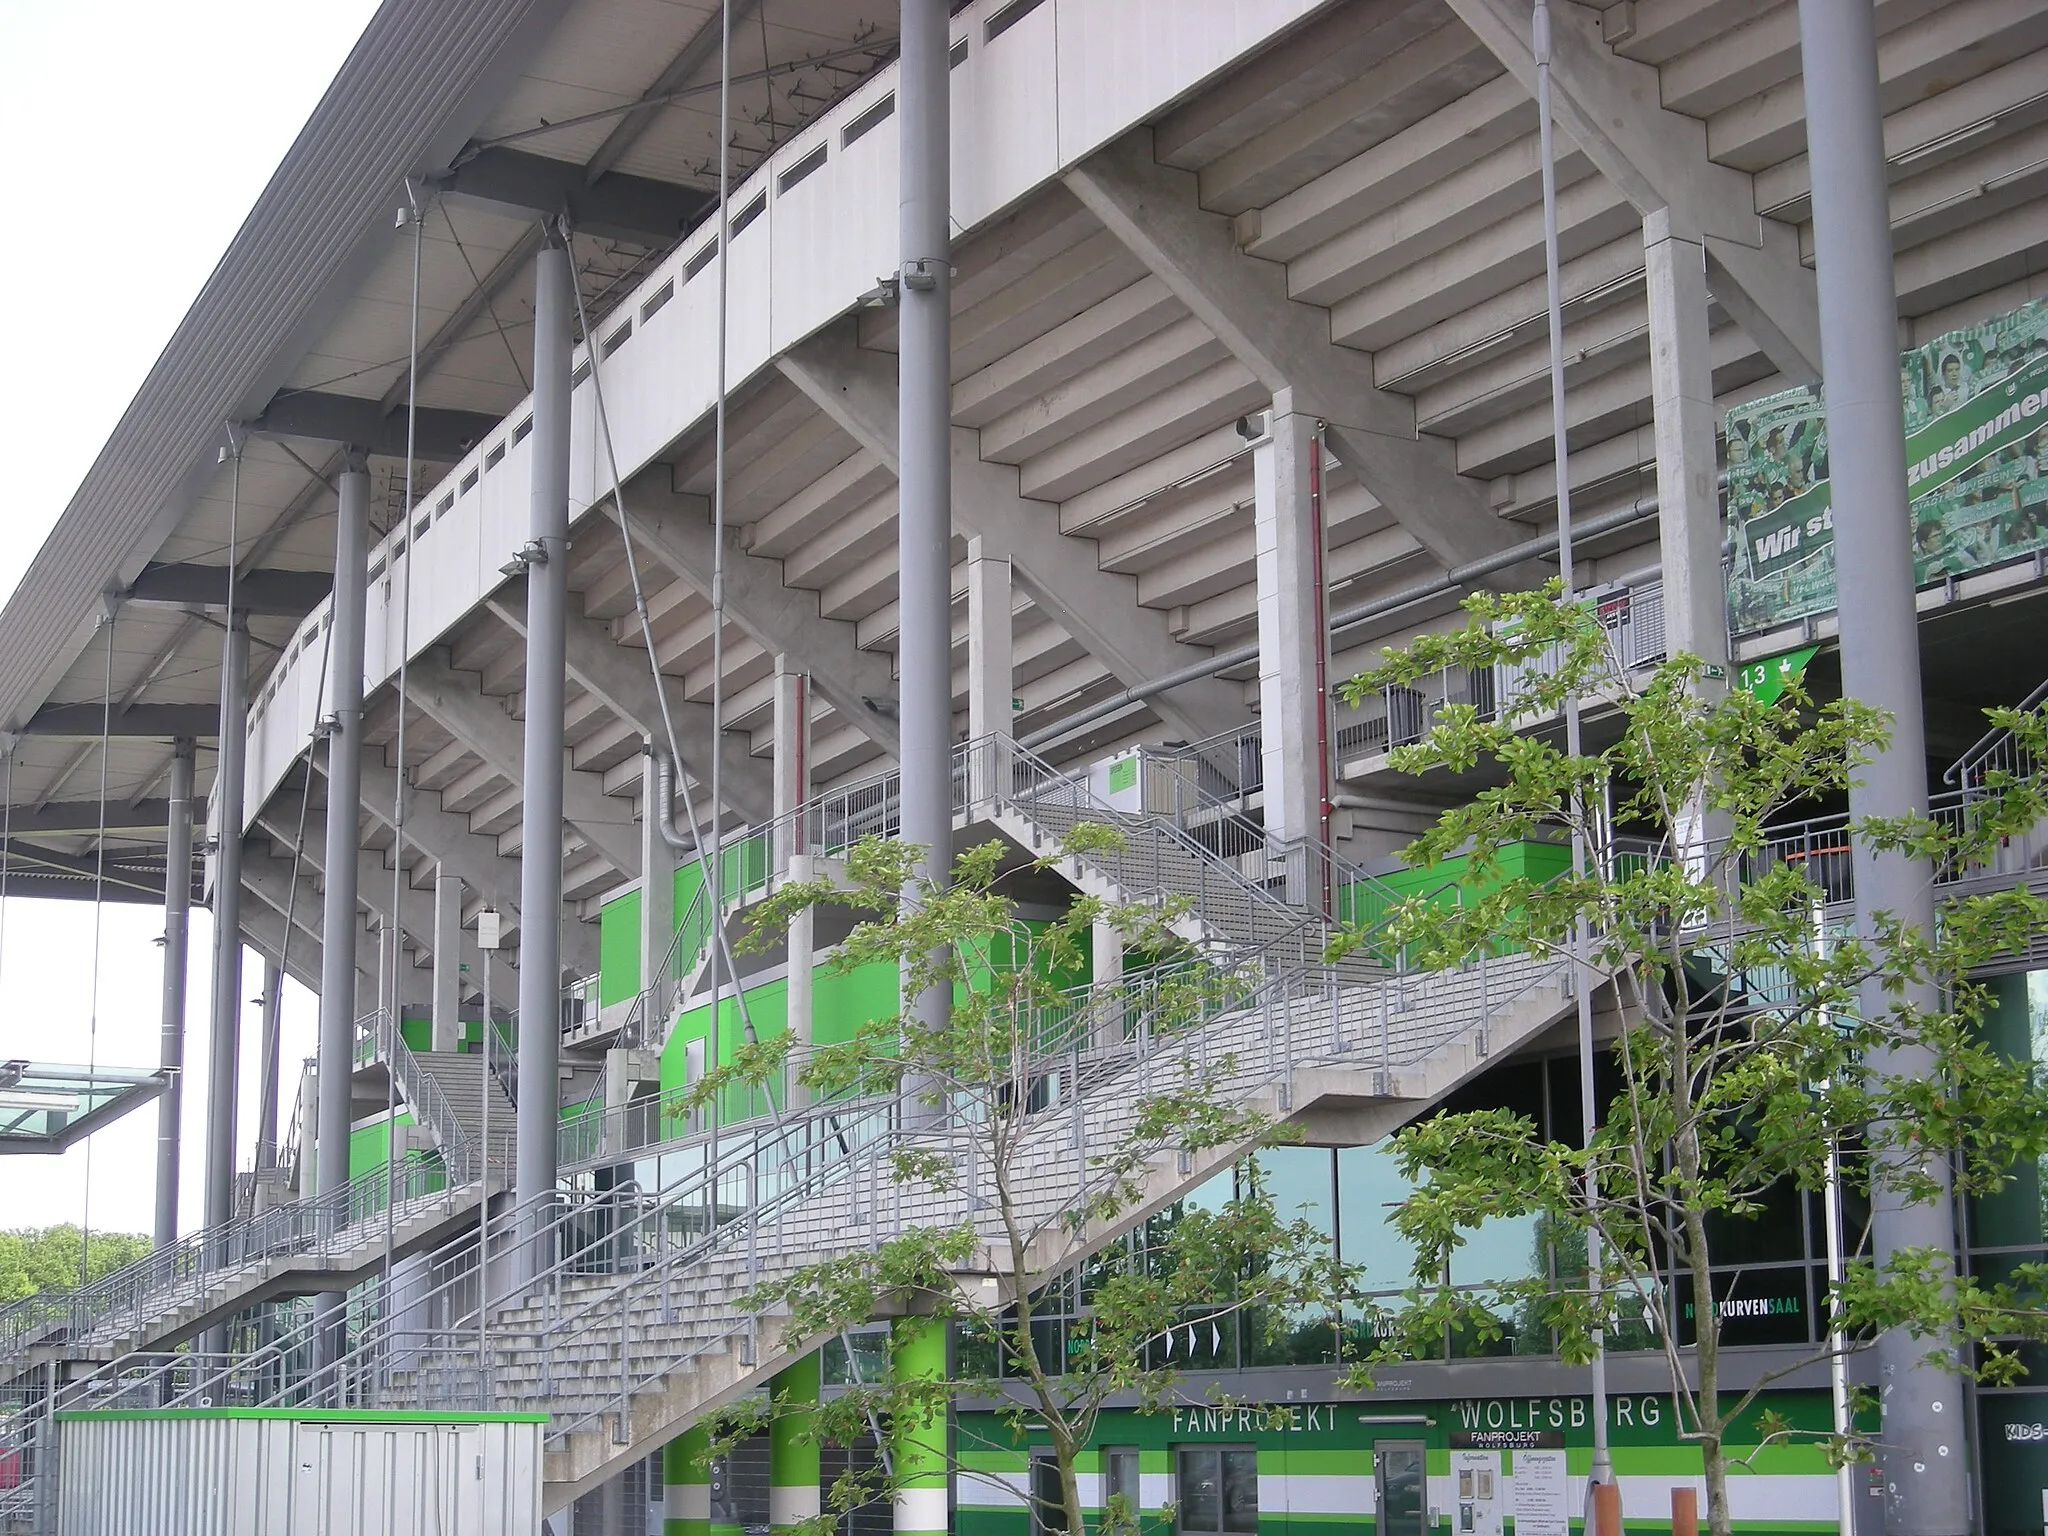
33 1260
994 1086
1746 1053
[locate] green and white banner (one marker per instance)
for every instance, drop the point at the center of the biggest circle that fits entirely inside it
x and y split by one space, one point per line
1976 408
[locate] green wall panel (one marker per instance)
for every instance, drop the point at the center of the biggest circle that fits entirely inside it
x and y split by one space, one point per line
618 949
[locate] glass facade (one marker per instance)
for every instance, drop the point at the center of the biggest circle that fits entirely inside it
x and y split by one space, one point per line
2006 1230
1770 1277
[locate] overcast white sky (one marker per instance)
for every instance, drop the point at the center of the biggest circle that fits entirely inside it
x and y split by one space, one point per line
137 136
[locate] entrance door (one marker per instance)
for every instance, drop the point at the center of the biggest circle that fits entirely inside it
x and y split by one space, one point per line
1400 1487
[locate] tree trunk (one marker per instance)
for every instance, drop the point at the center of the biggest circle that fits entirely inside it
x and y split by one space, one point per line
1070 1487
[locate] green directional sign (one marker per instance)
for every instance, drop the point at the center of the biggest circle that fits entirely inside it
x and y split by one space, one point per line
1767 679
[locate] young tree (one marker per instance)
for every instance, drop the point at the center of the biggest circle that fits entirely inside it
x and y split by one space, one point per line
997 1084
1749 1052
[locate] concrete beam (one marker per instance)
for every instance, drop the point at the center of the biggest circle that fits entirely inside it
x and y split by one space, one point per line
269 878
445 836
373 892
440 433
263 931
676 528
613 206
86 721
285 594
1100 609
621 678
1658 160
1153 210
605 823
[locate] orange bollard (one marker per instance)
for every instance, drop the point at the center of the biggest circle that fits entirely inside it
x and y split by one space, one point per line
1607 1509
1685 1512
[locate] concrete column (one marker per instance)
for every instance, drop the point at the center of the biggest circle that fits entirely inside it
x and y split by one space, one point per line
1293 736
267 1103
1682 389
540 883
657 891
177 958
793 1466
447 1011
917 1348
1924 1448
924 518
686 1484
336 1050
225 1051
990 669
1106 969
793 855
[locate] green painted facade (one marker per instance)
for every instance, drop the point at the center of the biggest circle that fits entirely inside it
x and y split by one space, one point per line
1443 883
618 949
369 1143
1316 1464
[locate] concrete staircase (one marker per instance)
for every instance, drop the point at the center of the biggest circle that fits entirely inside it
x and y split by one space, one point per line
622 1361
465 1083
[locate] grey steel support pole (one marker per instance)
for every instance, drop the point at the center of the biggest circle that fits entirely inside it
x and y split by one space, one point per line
924 515
177 958
225 1049
273 1046
336 1049
540 863
1924 1447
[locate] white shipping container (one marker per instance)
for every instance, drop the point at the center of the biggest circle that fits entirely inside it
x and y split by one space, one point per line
289 1472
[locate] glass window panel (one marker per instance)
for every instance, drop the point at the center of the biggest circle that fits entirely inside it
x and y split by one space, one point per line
1048 1505
1201 1491
1302 1185
1241 1491
1776 1234
1758 1306
1120 1478
1369 1186
2017 1027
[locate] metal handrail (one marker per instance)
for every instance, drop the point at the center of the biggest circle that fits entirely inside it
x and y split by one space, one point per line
1968 770
421 1090
185 1270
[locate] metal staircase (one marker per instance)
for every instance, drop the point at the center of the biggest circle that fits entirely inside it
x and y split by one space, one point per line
324 1242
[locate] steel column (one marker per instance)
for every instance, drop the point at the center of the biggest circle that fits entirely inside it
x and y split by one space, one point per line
225 1049
924 517
547 602
792 855
272 1004
1923 1446
335 1051
177 956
